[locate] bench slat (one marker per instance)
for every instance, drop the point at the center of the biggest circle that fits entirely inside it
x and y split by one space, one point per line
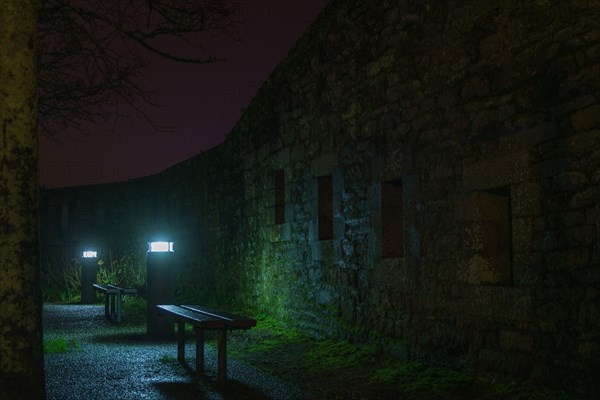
98 287
112 289
233 321
201 320
123 290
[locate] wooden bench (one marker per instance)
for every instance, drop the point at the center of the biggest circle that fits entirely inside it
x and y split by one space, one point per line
202 318
113 300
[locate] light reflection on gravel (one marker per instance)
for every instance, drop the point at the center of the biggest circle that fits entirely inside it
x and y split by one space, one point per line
118 362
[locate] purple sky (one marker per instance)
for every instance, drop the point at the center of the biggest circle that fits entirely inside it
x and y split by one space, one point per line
203 101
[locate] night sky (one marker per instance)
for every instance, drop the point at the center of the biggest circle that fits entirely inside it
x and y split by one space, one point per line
203 101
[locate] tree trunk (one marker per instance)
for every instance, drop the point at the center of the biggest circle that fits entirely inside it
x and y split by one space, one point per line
21 350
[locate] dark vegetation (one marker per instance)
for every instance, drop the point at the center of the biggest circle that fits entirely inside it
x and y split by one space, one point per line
61 278
92 55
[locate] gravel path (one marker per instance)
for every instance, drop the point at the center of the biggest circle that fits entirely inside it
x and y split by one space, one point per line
118 362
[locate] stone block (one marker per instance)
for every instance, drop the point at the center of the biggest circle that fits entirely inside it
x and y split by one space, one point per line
484 270
464 208
525 198
381 63
589 350
374 197
497 171
297 152
573 218
586 197
522 235
576 104
506 303
261 154
338 225
571 180
281 159
584 143
475 87
394 165
313 230
280 233
530 137
249 160
513 340
548 168
568 259
586 118
324 164
554 311
589 314
581 236
527 268
490 45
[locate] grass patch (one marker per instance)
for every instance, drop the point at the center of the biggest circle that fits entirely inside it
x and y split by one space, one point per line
515 391
189 330
60 345
416 380
266 323
332 354
168 359
134 310
334 369
270 334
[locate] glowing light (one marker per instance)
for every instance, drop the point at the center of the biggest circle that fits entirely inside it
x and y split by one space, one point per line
90 254
160 247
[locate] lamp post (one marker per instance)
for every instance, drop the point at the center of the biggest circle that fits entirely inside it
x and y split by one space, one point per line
89 269
160 285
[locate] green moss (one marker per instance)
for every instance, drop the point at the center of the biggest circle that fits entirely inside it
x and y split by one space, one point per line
167 359
134 310
331 354
340 369
417 379
394 372
60 345
274 334
515 391
265 322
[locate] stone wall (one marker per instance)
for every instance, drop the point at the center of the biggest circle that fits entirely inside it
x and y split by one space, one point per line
474 123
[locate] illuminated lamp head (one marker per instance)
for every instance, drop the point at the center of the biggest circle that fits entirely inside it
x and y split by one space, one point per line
90 254
160 247
90 251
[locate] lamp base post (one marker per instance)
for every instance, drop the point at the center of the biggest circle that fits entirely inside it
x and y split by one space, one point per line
88 278
160 284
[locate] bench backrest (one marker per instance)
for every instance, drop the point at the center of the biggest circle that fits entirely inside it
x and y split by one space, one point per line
99 287
203 320
232 320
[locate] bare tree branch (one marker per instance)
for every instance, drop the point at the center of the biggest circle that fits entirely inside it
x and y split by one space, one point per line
92 54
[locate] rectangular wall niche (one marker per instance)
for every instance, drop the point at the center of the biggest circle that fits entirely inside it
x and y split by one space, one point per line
279 196
325 207
495 236
392 220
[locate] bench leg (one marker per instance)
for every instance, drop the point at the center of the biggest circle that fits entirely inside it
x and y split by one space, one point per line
112 307
119 307
199 351
106 305
222 356
181 342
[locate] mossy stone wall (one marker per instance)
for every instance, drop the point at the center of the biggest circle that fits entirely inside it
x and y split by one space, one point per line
21 358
